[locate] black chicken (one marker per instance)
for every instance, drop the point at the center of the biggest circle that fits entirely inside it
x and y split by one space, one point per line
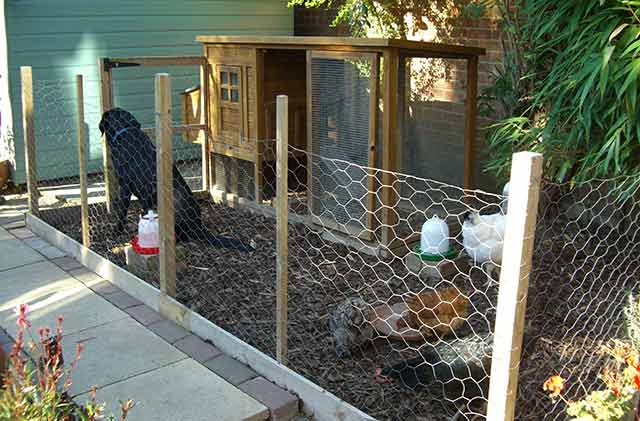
462 366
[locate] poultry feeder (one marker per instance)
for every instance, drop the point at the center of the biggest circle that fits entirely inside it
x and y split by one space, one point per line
142 256
434 251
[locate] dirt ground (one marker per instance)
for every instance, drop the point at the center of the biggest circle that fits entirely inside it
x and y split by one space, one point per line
577 292
237 292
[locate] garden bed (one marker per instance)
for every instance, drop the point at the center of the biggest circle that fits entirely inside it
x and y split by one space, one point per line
236 291
575 304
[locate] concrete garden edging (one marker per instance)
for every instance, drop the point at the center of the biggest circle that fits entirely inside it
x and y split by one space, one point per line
316 401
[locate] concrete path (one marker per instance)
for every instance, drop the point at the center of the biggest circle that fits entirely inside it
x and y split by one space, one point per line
130 351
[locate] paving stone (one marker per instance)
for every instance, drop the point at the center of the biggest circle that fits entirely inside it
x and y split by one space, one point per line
168 330
12 222
36 243
22 233
197 349
181 391
51 252
14 253
4 235
231 370
122 300
86 276
67 263
4 337
282 404
104 288
144 314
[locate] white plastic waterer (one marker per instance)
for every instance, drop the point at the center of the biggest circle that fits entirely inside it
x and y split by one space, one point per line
148 231
434 239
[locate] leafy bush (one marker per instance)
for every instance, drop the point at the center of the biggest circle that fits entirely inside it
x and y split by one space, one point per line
37 389
580 73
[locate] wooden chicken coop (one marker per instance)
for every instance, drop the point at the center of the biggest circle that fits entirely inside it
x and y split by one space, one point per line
348 102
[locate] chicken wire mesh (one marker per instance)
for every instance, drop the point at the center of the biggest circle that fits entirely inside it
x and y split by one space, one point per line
585 264
376 323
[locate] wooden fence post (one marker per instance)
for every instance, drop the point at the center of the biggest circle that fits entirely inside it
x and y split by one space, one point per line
524 188
204 106
29 138
106 103
82 160
282 226
164 162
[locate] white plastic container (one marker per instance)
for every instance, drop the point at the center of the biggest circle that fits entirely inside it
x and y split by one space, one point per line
148 231
434 239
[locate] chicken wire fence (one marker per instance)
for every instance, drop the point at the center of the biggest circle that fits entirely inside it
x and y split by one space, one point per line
370 317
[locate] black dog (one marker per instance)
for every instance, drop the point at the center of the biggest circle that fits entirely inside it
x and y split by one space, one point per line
134 160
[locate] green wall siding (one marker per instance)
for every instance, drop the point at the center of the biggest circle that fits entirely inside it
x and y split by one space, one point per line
60 39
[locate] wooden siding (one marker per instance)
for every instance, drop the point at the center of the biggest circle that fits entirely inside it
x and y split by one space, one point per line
62 38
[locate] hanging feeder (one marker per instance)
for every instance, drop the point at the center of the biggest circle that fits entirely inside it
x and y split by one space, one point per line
434 241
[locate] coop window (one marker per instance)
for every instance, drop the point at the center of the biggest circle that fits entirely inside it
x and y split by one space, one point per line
230 85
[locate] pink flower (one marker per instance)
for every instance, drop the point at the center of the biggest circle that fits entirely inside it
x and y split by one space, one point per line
22 312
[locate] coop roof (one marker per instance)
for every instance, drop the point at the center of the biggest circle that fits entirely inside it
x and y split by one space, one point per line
416 48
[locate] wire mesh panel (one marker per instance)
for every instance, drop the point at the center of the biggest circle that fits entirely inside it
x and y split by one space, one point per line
341 95
391 333
431 118
585 264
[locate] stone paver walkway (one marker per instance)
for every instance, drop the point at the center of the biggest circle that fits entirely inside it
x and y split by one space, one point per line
130 351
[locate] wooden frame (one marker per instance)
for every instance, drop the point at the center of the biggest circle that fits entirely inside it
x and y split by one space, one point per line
374 60
339 48
389 142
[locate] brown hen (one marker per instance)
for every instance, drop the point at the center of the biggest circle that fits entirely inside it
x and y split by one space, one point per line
436 312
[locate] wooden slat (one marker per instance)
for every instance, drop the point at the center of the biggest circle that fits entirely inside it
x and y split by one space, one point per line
26 78
159 61
526 174
82 160
340 55
166 211
261 126
204 104
282 227
470 122
106 103
389 144
310 158
179 128
374 94
446 50
233 151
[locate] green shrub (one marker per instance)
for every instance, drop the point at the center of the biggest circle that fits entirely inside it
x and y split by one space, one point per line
579 102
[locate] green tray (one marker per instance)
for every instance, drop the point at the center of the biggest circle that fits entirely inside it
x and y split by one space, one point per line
449 255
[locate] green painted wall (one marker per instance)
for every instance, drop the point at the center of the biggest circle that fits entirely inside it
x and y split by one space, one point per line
62 38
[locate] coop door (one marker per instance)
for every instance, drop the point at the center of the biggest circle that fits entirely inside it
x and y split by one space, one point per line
342 117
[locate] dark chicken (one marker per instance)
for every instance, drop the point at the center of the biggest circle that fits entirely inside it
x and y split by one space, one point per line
461 365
